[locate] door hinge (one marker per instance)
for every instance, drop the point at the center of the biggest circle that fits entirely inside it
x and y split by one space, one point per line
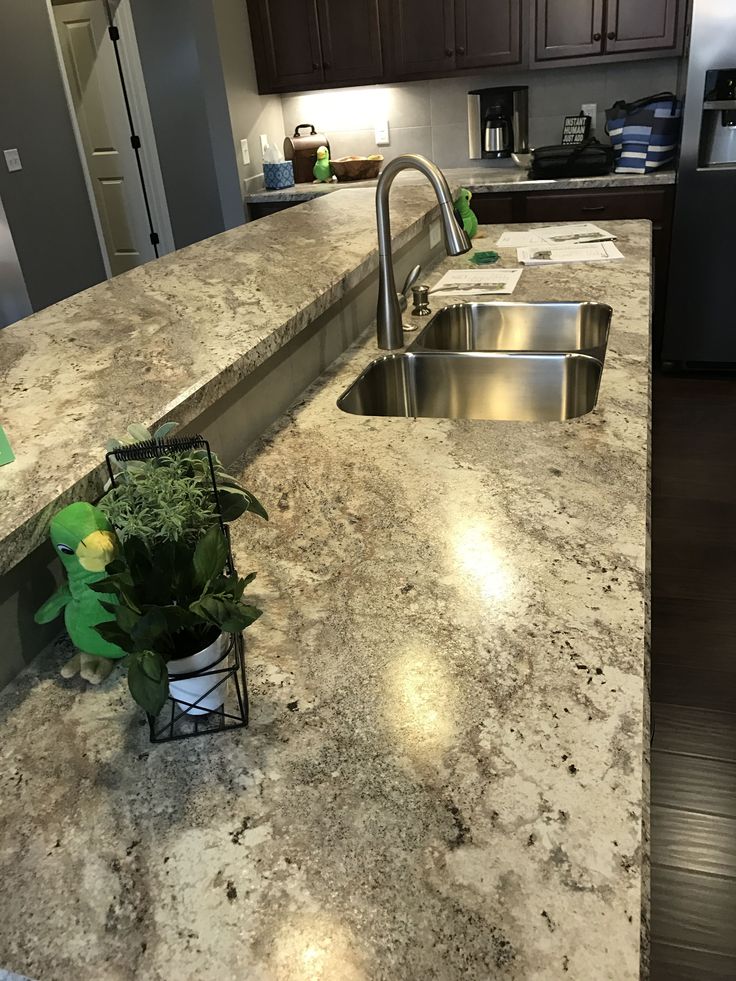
135 142
155 239
114 33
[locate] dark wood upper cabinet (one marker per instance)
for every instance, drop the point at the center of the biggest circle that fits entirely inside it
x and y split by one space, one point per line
286 43
351 40
633 25
614 30
568 28
300 44
423 36
487 32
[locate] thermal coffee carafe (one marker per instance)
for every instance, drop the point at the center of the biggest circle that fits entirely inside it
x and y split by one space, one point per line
496 132
498 122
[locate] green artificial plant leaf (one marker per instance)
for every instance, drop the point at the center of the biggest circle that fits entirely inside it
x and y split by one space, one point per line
139 433
210 556
164 429
148 680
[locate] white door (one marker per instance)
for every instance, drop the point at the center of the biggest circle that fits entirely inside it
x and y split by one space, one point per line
94 80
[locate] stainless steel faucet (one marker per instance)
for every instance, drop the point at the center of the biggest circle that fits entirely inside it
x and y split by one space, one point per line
388 315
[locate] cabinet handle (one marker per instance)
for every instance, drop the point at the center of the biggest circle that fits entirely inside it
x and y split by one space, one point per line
611 35
460 51
449 52
594 207
316 66
326 65
596 37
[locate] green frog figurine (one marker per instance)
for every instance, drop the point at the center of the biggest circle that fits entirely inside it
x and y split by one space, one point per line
467 216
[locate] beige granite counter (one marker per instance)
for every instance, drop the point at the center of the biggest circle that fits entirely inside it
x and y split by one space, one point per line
480 180
169 339
445 775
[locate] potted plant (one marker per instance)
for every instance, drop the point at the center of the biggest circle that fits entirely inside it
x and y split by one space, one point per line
171 593
170 497
173 607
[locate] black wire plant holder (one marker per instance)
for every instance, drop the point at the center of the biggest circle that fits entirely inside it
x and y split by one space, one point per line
179 718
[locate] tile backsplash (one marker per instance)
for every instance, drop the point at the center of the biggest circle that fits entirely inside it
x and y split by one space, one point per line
431 117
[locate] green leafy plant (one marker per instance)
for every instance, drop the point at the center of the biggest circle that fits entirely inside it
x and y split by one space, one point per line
170 497
170 602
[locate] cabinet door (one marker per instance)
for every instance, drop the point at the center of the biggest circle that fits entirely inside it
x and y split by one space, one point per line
423 36
635 26
351 42
487 32
569 28
289 35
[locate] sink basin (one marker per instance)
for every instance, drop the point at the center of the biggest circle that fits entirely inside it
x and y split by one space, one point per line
518 327
520 387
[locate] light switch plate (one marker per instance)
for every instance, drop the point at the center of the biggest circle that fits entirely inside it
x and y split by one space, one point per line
435 234
383 134
245 151
12 159
264 144
590 109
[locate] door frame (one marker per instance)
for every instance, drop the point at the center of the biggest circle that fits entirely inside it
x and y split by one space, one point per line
138 98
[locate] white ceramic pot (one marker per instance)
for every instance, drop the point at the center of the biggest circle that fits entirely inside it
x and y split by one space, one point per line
191 689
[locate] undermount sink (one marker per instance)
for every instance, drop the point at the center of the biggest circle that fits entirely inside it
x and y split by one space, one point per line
564 327
496 386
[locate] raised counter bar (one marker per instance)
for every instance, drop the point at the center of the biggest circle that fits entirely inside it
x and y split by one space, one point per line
480 180
445 775
167 340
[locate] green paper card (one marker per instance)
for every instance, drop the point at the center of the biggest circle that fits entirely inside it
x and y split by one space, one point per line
6 454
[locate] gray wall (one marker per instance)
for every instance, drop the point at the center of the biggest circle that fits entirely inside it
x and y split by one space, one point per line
431 117
187 99
14 302
46 203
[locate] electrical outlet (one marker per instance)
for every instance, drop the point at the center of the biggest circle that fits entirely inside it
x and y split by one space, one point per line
12 159
245 151
383 135
590 109
264 144
435 235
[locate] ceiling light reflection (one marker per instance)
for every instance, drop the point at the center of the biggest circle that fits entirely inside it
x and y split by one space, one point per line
482 560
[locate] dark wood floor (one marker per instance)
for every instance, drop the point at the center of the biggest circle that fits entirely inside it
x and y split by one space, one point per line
694 679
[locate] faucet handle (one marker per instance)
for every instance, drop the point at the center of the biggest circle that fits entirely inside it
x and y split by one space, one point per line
413 276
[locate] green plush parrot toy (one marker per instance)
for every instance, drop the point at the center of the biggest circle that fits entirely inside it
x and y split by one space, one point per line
86 544
467 216
322 169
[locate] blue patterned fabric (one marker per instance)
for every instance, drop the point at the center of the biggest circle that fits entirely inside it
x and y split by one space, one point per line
644 134
278 176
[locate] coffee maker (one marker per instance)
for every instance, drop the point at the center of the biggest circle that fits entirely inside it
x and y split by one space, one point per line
498 122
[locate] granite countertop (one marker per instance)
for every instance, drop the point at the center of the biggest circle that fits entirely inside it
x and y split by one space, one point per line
445 774
168 339
479 179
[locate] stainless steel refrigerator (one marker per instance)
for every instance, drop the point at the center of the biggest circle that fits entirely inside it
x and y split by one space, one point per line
700 326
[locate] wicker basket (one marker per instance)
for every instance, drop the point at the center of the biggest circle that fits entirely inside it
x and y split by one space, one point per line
356 168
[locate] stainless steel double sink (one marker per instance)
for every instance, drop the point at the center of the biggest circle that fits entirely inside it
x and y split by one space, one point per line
528 362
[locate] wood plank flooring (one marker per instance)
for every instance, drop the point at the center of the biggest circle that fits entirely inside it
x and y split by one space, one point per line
693 810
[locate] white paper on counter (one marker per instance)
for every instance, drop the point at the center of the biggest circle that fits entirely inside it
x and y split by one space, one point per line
517 240
479 282
546 255
572 233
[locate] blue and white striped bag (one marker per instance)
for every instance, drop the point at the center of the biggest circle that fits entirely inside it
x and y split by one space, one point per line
644 134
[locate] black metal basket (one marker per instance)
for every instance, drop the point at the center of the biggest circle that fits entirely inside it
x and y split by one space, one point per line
175 720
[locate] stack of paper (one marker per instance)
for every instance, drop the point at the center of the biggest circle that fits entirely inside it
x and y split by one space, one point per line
479 282
579 233
544 255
